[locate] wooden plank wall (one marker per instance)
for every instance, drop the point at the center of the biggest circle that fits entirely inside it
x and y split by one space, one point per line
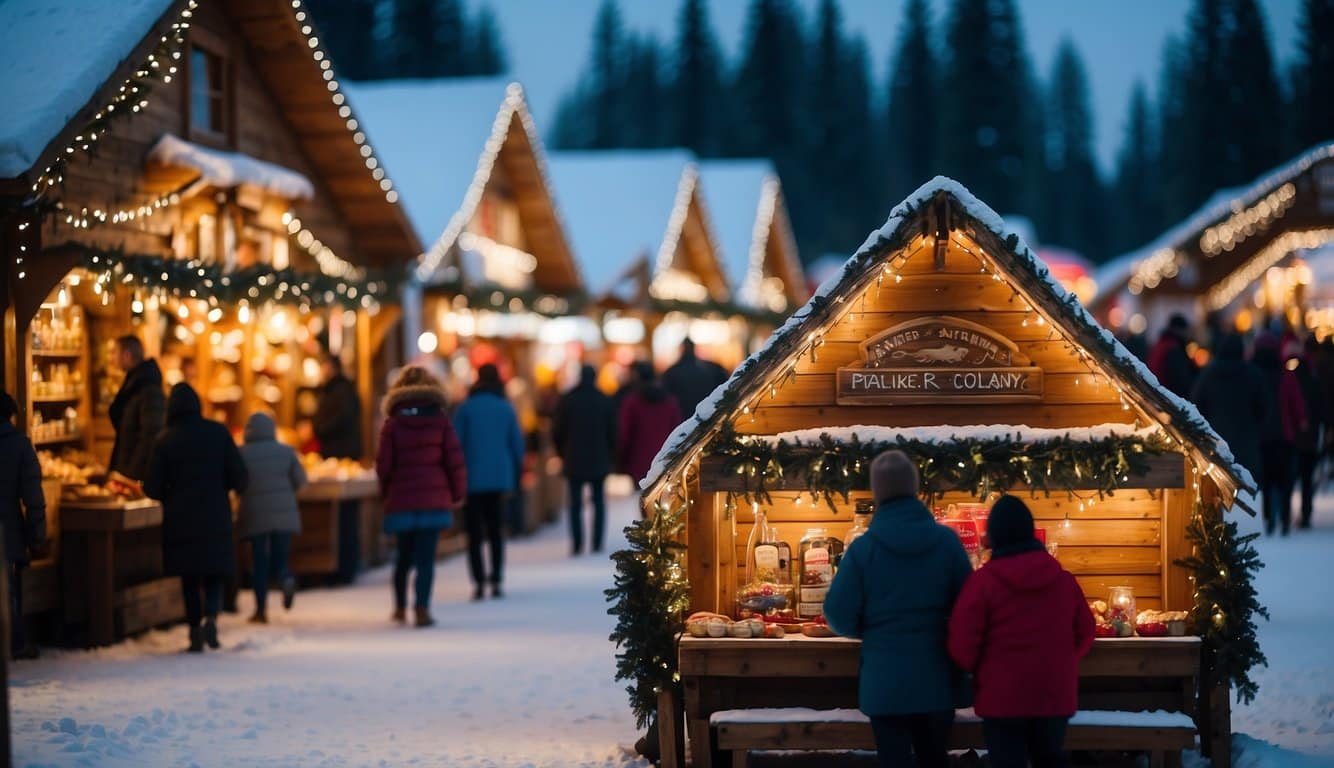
1129 538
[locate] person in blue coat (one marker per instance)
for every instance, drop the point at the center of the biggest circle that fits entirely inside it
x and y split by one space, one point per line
488 430
895 589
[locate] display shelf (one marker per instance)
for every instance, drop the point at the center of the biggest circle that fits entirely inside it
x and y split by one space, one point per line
63 353
73 397
59 439
56 385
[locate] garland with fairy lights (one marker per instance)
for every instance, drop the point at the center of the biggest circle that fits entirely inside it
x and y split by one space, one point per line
495 298
831 469
189 279
649 600
1226 601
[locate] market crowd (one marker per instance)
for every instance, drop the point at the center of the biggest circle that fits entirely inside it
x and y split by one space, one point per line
439 464
1270 397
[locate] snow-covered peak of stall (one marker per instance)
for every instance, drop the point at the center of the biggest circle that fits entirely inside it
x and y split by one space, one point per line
229 169
1017 262
437 140
57 55
734 192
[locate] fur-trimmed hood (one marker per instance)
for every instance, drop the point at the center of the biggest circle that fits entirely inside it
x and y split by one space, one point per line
416 393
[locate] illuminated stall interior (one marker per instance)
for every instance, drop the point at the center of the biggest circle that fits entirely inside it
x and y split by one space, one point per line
1236 259
749 214
497 266
645 241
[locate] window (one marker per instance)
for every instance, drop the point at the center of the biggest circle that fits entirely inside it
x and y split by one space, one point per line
208 92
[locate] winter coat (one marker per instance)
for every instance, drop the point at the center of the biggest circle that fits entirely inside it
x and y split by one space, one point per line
646 419
420 462
22 503
690 380
194 465
337 419
488 430
1170 363
1021 625
137 413
1312 405
584 430
1285 411
1231 396
895 588
274 475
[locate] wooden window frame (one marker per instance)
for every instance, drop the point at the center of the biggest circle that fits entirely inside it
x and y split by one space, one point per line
217 47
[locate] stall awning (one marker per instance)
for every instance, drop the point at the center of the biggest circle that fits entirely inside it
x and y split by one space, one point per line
230 169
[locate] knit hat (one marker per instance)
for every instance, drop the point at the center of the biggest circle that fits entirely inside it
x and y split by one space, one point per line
893 475
1010 527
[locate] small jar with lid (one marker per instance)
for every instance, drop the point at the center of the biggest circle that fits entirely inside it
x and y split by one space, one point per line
817 572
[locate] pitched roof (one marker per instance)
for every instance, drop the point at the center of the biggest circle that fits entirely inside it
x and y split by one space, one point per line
746 206
1012 259
617 206
57 55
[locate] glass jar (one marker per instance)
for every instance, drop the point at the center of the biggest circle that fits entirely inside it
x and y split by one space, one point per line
1121 610
861 522
817 572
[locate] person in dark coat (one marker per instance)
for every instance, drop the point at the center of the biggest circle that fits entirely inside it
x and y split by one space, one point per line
270 515
1232 398
1169 360
423 479
584 430
894 589
691 379
1301 360
194 466
647 416
337 419
23 514
1285 418
138 411
1021 625
488 430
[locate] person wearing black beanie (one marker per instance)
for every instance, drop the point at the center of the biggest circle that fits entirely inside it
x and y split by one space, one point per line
1021 625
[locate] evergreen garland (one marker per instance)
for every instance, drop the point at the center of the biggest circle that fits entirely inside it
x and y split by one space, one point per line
188 279
833 468
648 601
1226 602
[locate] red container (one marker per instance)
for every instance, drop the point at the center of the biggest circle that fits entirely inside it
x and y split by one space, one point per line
967 531
1040 534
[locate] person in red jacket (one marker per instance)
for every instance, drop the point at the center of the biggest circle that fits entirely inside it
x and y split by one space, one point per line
423 480
1021 625
647 417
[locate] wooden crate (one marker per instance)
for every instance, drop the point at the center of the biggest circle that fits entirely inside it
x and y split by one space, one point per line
150 604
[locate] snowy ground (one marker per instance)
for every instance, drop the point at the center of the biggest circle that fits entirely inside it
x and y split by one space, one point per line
526 681
523 681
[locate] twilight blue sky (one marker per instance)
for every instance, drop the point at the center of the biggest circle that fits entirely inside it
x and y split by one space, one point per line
1120 40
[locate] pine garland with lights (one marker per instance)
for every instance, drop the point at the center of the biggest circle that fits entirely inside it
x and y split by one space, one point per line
499 299
188 279
833 469
649 600
1226 602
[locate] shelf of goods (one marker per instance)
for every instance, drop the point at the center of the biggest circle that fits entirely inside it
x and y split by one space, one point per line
56 391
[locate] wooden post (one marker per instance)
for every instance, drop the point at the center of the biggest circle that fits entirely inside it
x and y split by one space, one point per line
671 736
1220 726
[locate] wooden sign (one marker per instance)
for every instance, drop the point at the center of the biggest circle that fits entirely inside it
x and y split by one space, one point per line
939 360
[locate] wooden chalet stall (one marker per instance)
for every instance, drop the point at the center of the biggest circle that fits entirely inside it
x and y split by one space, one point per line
1238 259
644 235
755 240
498 270
196 178
944 335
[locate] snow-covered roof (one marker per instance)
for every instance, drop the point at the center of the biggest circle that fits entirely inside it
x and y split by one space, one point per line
230 169
57 54
617 206
734 192
1112 276
1014 260
433 137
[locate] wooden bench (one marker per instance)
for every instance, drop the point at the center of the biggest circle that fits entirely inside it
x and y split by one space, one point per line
1162 734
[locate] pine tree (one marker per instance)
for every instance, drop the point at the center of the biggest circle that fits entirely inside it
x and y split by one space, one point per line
644 101
769 83
486 51
911 120
448 56
1174 150
1313 74
988 108
347 27
1256 105
699 110
415 24
605 77
1073 214
1137 173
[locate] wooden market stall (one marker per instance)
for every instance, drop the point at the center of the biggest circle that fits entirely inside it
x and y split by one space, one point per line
749 212
945 336
196 180
1238 258
498 267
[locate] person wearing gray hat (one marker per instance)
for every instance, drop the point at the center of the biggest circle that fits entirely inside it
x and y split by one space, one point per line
895 589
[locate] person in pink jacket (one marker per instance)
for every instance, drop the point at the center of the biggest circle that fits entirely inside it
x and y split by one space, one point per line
647 417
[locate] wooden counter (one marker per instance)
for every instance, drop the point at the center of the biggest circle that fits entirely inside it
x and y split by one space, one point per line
798 671
112 562
316 550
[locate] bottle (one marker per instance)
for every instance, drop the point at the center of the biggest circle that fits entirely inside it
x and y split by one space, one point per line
817 573
763 552
861 521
